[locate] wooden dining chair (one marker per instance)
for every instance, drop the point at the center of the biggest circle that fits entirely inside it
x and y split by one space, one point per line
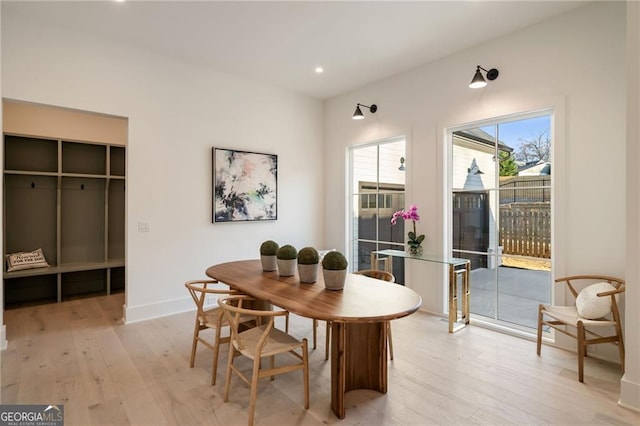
372 273
595 307
209 317
260 342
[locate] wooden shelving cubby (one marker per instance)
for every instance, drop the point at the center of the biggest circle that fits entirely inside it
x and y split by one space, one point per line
68 198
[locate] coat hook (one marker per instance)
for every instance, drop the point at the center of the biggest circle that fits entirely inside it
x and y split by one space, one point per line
33 185
82 186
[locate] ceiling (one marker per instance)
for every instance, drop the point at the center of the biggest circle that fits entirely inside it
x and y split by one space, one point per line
281 43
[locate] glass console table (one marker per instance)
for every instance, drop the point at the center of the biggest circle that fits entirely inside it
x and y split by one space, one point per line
457 267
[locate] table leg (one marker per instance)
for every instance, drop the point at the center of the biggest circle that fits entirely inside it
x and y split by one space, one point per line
388 264
453 298
466 290
358 360
454 324
375 262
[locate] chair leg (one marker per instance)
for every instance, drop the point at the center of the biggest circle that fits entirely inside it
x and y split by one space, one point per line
582 349
315 333
539 341
327 340
194 345
227 380
216 350
305 371
272 364
389 340
254 390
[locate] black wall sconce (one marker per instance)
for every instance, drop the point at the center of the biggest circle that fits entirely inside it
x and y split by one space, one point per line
479 81
357 115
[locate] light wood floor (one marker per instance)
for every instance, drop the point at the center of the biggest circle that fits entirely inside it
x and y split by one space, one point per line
79 354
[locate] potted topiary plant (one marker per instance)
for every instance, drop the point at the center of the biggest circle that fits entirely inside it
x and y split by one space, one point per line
268 251
286 256
308 259
334 270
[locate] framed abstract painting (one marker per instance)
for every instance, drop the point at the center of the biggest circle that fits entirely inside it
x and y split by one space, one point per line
245 186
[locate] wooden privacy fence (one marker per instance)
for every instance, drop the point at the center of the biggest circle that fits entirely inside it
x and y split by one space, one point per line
525 189
525 229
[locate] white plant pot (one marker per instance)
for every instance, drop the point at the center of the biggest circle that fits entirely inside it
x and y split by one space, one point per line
308 273
287 267
334 280
269 263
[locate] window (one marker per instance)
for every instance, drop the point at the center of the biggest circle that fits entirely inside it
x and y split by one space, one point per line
377 200
501 182
377 191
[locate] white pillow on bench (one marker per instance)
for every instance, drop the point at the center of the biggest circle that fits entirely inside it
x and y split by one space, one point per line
589 305
26 260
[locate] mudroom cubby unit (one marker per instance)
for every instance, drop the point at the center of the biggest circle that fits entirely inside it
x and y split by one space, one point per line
67 198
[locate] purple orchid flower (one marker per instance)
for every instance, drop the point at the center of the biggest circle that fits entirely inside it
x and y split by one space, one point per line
414 240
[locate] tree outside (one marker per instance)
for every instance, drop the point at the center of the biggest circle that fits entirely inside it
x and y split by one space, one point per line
534 149
508 165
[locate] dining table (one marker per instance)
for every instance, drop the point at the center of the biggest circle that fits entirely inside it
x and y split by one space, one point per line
358 315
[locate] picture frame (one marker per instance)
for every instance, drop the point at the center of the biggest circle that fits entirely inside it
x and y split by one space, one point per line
245 186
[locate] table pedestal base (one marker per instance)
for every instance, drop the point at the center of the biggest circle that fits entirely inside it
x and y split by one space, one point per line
362 364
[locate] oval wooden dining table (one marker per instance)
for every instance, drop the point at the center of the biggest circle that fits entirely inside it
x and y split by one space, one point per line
358 315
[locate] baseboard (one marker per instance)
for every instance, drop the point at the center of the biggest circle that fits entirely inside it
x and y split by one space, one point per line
629 395
150 311
3 338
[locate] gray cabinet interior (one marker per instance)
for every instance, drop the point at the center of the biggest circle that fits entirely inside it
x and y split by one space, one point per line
67 198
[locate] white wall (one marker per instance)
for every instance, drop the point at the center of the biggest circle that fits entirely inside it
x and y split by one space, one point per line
630 384
177 112
574 63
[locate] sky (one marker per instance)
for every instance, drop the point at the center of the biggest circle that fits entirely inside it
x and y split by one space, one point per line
511 132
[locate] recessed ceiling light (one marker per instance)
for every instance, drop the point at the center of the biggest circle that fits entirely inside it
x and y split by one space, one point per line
319 70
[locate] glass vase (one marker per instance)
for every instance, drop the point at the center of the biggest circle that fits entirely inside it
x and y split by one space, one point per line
415 250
